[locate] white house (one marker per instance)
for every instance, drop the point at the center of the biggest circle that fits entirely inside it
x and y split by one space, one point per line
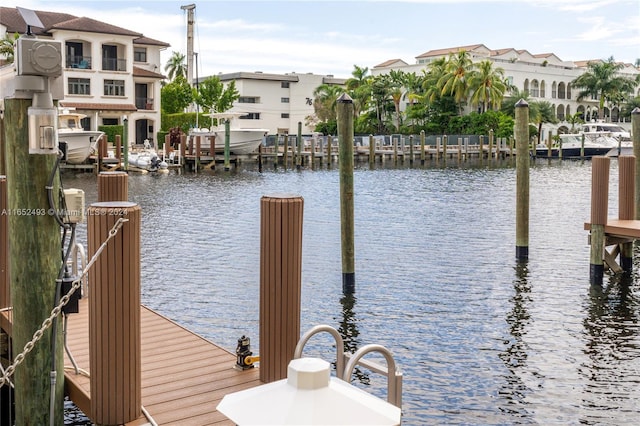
111 74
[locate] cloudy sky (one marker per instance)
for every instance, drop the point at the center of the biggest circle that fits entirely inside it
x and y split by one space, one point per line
330 37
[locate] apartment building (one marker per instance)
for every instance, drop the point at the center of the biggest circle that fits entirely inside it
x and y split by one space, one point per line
111 74
545 76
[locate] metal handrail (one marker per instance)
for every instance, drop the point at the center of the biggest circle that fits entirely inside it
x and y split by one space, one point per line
394 377
340 358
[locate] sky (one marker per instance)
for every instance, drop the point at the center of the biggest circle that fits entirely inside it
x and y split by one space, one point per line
331 37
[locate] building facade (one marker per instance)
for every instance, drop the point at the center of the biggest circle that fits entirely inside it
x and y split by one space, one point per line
277 102
110 74
544 76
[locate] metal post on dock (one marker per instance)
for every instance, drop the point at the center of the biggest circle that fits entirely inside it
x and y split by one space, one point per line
345 144
113 186
281 217
34 267
626 204
599 210
114 314
522 179
635 135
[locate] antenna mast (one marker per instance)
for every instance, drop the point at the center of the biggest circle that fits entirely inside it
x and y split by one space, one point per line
190 21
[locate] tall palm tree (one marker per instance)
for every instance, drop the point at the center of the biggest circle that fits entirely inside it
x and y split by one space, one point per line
432 79
458 71
487 86
176 65
325 99
7 45
602 81
397 80
359 89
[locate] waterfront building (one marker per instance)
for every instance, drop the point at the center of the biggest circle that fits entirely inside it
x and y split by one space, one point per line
110 74
277 102
545 76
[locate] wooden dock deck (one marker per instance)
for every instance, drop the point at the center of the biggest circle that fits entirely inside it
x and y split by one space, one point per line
184 376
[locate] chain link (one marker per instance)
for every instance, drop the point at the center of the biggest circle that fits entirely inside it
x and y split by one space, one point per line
28 347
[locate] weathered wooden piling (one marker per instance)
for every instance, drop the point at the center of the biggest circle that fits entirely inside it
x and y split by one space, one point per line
345 144
445 142
281 218
522 179
113 186
635 135
114 314
422 146
5 295
285 154
227 145
329 149
372 152
599 210
626 204
34 265
299 147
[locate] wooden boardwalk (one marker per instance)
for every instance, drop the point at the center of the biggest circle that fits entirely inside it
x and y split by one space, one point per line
184 376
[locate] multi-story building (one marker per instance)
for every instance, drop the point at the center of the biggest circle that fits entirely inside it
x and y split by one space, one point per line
277 102
544 76
111 74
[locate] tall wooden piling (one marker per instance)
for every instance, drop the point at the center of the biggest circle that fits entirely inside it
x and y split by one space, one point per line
635 134
114 314
113 186
299 147
599 210
445 142
5 295
345 144
522 179
626 203
34 265
227 145
280 282
422 143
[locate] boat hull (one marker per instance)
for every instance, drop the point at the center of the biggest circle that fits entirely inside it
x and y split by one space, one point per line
241 141
574 152
80 143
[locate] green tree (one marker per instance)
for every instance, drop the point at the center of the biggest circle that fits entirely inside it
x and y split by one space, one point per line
324 104
602 81
359 89
574 119
459 70
541 112
176 96
487 86
7 46
176 66
212 95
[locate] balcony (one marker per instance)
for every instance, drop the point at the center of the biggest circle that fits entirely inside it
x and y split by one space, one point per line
114 64
144 103
79 62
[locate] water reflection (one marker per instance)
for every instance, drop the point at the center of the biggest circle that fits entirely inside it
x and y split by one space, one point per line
515 390
348 329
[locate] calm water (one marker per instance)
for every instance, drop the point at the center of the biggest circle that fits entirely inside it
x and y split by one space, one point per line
480 339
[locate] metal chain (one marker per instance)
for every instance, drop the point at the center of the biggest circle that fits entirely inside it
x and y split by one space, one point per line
28 347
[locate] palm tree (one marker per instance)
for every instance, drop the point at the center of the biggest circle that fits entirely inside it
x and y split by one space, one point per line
325 101
542 112
176 66
432 78
359 89
7 45
487 86
397 82
458 71
602 81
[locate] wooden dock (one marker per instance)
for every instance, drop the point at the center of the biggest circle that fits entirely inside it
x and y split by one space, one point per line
184 376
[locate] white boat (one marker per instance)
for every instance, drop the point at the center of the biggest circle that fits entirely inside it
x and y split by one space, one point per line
610 129
572 146
242 140
80 142
147 160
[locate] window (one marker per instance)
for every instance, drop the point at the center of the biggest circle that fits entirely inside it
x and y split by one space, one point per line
140 54
284 84
284 100
284 115
79 86
114 87
251 116
248 100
